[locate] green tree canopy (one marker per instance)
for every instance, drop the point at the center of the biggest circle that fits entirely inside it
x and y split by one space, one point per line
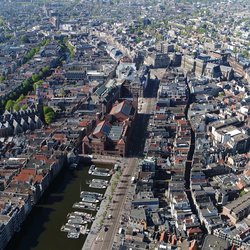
49 114
47 109
45 69
21 97
9 105
35 78
38 84
16 107
49 117
2 78
25 106
25 39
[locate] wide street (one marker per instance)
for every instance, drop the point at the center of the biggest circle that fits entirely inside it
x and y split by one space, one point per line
104 239
105 231
146 105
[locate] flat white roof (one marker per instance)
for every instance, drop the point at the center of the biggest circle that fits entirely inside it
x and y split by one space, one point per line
233 132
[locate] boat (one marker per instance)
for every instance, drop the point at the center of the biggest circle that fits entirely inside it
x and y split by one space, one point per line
87 203
82 220
74 226
91 169
98 195
80 214
98 183
86 193
66 228
75 221
73 235
101 172
90 199
85 215
87 206
84 230
73 166
97 173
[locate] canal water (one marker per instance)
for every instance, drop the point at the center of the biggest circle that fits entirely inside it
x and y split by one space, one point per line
41 230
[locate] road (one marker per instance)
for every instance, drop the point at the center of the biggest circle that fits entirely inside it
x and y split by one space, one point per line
146 105
98 239
104 240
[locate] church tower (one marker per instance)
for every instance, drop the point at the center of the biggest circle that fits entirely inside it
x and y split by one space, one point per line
39 103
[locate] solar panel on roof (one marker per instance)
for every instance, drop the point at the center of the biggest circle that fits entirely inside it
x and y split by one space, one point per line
115 133
126 109
106 129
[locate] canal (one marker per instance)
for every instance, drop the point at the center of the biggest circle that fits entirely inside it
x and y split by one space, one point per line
41 230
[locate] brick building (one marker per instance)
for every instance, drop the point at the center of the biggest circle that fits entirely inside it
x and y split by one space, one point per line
110 136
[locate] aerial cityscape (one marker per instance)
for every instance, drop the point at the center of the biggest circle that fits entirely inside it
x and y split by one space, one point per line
125 124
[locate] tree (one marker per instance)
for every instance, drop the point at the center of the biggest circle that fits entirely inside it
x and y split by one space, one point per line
235 50
71 49
62 92
12 95
25 39
45 42
9 105
49 117
2 78
35 78
26 82
47 109
49 114
245 53
25 106
45 69
138 40
1 22
201 30
16 106
21 97
38 84
27 85
159 37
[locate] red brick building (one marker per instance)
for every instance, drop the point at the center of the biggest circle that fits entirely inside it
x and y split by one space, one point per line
110 136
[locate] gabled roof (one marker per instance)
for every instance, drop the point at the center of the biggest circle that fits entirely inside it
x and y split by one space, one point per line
121 142
123 107
103 127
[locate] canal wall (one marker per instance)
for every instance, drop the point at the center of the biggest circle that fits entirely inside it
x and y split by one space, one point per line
99 159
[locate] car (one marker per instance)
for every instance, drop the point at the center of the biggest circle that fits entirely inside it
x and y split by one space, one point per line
105 229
